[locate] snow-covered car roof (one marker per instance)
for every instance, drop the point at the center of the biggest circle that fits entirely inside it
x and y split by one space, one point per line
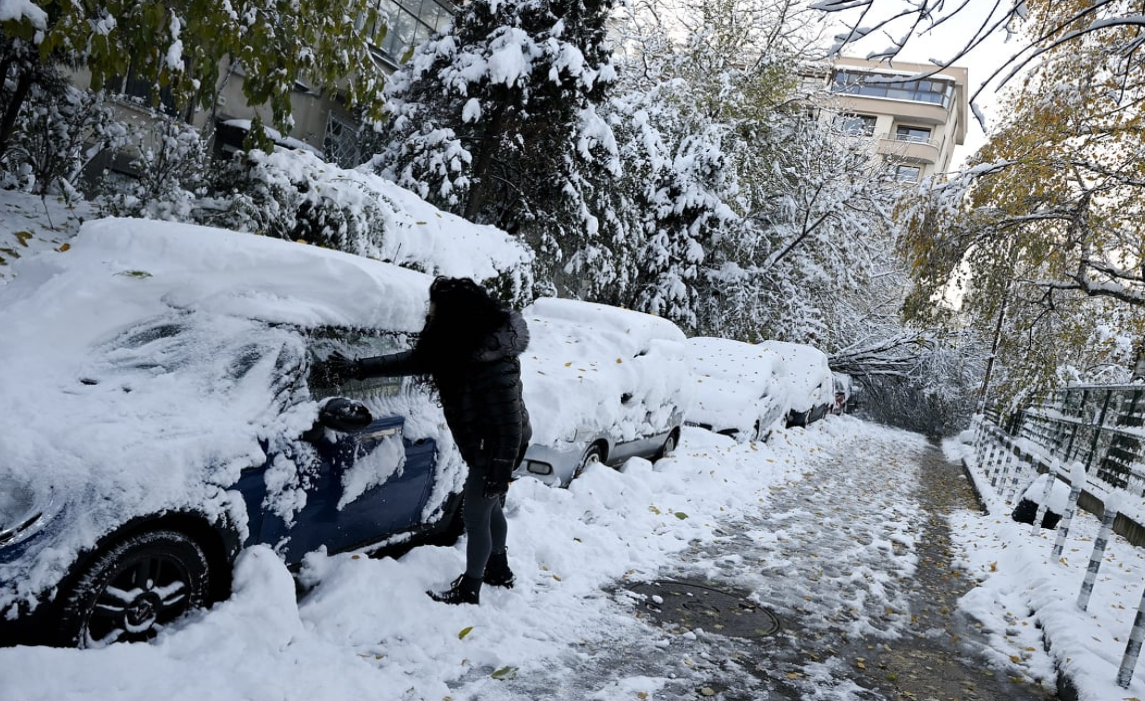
146 363
806 374
737 383
584 357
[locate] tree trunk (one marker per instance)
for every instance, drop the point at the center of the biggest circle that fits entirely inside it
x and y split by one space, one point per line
12 109
481 164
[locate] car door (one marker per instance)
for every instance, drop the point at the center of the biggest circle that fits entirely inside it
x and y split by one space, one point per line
365 484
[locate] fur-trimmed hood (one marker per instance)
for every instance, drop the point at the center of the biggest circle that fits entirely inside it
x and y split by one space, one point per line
508 341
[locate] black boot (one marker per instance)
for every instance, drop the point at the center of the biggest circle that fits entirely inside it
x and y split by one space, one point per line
497 572
464 590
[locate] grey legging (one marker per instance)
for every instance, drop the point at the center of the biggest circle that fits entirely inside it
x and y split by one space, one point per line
484 523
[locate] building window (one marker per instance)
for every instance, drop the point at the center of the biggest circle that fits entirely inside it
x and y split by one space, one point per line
856 124
917 135
932 91
340 144
403 24
903 173
132 87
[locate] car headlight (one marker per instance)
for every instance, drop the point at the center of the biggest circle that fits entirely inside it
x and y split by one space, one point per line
20 511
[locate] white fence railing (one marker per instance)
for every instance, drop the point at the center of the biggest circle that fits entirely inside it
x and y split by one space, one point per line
1091 438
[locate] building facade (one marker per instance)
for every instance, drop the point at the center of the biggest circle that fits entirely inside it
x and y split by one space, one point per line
913 114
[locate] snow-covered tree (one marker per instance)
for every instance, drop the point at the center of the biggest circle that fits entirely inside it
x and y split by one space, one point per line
495 120
180 47
1042 232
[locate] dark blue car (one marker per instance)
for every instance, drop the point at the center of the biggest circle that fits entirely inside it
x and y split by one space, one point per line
190 420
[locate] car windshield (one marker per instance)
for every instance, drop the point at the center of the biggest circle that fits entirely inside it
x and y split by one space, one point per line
354 343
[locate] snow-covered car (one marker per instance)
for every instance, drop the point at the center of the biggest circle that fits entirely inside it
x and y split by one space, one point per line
163 409
602 384
739 391
807 381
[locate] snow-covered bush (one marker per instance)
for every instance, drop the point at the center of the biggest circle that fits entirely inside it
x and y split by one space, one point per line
58 131
172 168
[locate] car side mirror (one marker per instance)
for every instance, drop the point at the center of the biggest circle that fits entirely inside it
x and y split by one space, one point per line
344 415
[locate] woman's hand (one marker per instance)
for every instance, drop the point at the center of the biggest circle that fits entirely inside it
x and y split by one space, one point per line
497 478
337 368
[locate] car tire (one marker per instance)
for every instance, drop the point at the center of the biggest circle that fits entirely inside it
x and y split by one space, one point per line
669 445
592 455
131 590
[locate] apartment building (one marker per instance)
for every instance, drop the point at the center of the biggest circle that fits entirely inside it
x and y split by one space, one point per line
914 114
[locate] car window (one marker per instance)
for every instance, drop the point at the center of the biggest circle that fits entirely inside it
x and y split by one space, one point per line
354 344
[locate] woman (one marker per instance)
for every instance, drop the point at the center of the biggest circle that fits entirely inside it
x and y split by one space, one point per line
469 347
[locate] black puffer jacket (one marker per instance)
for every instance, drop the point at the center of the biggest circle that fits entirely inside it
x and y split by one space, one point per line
481 399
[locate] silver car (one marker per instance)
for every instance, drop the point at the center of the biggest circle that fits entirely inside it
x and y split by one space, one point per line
602 384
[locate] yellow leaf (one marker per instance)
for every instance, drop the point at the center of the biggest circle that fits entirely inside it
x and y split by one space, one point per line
505 673
65 247
464 632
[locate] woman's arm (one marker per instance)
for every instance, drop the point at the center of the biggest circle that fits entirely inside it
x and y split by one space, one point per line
339 368
392 365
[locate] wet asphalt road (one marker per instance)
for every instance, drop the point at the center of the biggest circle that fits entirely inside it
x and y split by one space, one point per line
854 565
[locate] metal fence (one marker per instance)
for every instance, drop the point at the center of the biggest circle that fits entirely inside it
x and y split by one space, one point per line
1102 426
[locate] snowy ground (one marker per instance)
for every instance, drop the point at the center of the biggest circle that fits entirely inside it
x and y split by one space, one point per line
365 629
1024 597
30 225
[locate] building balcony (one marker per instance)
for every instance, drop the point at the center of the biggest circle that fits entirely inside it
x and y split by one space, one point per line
915 150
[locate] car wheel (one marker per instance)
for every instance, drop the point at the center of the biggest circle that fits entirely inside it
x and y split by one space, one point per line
592 456
134 589
668 447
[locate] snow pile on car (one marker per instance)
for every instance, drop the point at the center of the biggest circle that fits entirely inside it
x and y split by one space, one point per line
152 361
594 366
416 234
738 385
806 374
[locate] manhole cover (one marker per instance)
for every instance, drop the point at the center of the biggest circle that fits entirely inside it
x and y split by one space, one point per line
699 606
